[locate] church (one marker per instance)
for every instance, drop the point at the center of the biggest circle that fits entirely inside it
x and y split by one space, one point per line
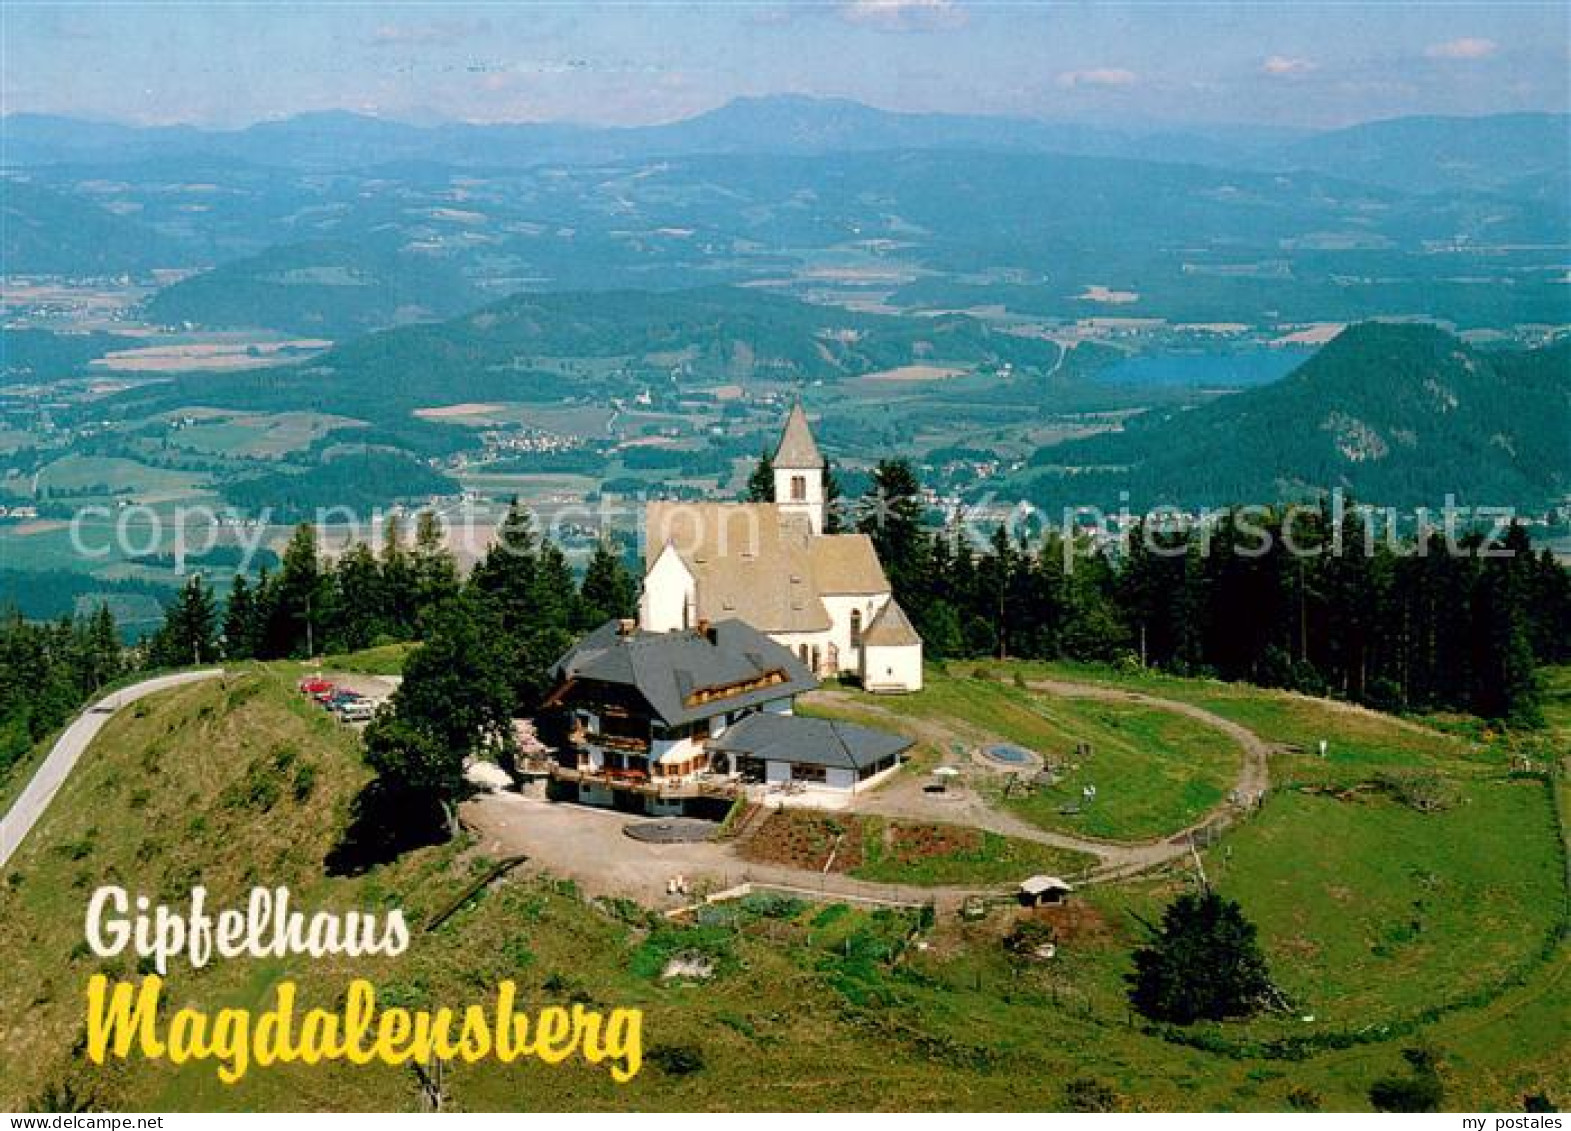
772 565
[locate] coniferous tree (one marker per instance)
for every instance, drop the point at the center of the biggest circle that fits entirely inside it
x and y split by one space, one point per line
359 605
240 621
1203 964
103 650
435 568
608 589
295 600
892 518
189 632
508 574
761 483
400 596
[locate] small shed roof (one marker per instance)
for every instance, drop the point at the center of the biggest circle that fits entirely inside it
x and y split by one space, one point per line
891 628
1037 885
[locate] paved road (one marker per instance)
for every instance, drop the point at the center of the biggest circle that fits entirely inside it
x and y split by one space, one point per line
30 806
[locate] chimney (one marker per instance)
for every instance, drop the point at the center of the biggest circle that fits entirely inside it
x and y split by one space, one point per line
706 630
626 626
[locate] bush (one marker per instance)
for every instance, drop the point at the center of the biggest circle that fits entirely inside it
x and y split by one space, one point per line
1300 1098
1421 1090
1407 1093
677 1060
1086 1093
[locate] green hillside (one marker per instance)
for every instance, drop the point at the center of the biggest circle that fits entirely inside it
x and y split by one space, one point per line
1395 414
1387 925
555 347
57 233
318 289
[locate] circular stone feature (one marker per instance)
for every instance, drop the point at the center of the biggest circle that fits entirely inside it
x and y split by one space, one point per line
1006 755
672 830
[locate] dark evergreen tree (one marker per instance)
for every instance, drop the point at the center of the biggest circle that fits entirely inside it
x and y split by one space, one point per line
190 629
359 607
400 590
1203 964
508 575
240 621
892 518
761 483
435 569
608 589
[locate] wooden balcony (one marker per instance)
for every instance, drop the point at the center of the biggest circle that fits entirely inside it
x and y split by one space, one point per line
697 785
584 737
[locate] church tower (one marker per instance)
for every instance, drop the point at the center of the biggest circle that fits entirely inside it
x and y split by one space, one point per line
799 471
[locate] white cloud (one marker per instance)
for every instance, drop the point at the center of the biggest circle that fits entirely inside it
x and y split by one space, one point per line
904 15
1467 47
1097 76
1287 65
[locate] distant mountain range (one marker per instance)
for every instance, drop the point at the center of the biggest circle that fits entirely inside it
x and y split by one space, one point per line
1498 152
1394 414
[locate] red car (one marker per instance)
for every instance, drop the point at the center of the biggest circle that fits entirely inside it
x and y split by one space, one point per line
316 686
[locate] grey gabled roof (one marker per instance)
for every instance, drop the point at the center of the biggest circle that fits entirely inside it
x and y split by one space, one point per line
666 668
891 628
815 742
797 447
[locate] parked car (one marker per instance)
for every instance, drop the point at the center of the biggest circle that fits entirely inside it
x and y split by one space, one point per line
357 711
315 685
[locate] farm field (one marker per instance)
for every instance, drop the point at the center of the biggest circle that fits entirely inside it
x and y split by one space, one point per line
256 435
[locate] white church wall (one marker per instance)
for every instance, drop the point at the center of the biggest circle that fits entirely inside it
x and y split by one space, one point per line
668 594
892 668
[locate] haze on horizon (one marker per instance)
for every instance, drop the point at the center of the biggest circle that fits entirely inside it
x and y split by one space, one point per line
1311 65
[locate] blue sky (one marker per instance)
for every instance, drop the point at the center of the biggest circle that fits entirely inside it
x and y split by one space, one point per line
1288 63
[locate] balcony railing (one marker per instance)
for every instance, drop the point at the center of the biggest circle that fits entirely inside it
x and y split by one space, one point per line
585 737
697 785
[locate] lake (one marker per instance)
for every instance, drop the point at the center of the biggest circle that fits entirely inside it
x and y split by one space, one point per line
1232 369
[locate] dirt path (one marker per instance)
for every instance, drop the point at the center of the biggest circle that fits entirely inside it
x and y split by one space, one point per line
904 797
588 845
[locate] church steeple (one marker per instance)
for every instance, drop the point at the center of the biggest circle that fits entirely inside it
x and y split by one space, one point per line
799 471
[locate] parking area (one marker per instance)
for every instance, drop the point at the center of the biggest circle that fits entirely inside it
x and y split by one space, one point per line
351 696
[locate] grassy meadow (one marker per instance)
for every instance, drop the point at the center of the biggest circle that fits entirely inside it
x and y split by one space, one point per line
1372 913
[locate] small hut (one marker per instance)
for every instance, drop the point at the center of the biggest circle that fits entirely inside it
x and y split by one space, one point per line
1044 891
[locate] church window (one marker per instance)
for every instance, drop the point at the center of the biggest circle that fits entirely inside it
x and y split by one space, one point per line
798 488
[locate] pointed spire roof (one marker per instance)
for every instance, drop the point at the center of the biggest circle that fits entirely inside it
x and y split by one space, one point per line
797 448
891 628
